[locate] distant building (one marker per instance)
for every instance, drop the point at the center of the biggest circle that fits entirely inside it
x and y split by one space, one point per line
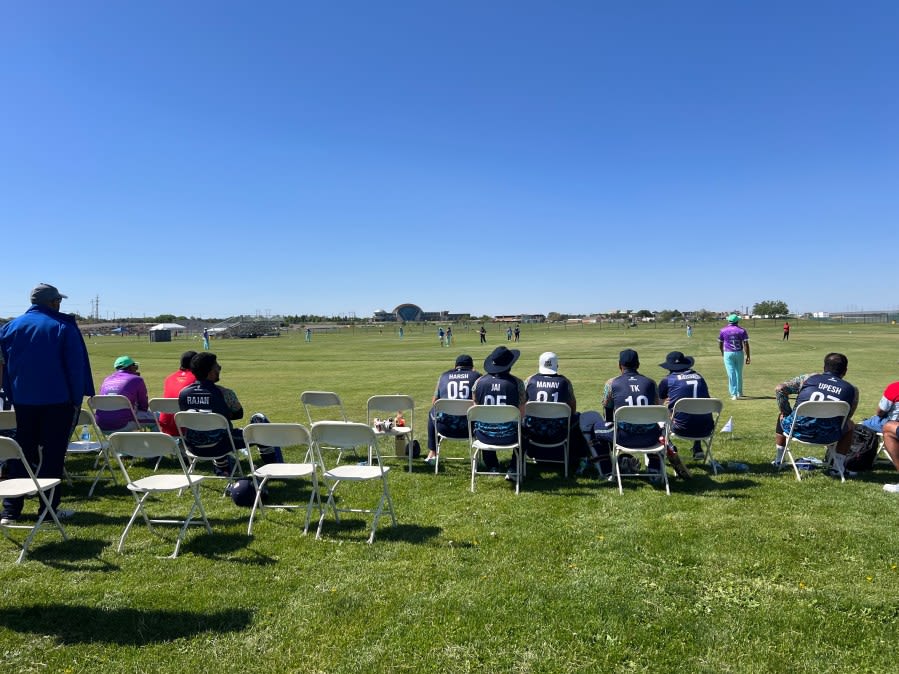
412 313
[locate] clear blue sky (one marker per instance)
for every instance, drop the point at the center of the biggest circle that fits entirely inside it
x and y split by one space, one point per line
214 158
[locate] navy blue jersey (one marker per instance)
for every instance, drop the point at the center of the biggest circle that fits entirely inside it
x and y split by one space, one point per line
826 387
498 389
456 384
551 388
687 384
630 388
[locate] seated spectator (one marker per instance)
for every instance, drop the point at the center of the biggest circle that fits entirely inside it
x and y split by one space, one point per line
125 381
172 386
455 384
499 387
828 385
887 409
547 385
684 382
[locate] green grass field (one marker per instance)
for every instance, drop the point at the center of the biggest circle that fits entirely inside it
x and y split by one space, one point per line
746 572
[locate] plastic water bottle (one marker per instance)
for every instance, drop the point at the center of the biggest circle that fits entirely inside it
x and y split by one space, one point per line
85 434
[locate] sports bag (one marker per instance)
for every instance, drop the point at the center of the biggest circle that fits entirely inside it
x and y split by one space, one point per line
863 450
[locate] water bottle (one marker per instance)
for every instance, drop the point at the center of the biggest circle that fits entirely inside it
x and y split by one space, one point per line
85 434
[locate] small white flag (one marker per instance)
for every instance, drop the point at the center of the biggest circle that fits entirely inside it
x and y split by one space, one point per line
729 426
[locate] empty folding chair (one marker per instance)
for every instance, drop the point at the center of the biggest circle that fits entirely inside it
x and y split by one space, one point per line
395 407
326 406
292 437
152 445
95 445
21 487
347 435
644 415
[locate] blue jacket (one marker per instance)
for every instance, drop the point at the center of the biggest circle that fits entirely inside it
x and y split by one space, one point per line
46 361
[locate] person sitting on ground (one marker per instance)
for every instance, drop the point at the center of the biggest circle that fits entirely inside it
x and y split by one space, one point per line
684 382
499 387
125 381
172 386
455 384
829 385
547 385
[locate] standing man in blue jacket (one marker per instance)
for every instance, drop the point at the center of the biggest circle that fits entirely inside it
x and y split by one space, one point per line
46 374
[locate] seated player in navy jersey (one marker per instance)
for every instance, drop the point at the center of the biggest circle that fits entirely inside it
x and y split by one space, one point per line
683 382
455 384
828 385
547 385
499 387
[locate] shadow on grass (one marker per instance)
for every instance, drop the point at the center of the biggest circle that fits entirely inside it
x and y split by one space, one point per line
75 624
222 546
358 530
75 554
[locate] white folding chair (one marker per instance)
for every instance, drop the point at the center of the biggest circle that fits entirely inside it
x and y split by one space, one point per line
494 414
402 435
882 454
817 409
328 407
697 406
283 436
205 430
546 410
348 435
151 445
163 406
114 403
97 448
8 420
643 415
453 408
21 487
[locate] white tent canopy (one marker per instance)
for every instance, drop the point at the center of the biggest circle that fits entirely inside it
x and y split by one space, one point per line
167 326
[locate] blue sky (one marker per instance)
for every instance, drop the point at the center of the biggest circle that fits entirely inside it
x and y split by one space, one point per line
216 158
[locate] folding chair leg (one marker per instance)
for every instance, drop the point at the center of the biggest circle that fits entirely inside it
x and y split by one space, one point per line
256 503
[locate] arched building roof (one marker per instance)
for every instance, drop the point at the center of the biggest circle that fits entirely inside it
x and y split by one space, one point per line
409 312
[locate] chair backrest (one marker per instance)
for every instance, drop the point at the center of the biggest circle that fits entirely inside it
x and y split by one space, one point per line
343 434
697 406
822 409
191 424
112 403
10 449
321 399
143 445
277 435
494 414
390 403
164 405
7 420
547 410
642 414
452 407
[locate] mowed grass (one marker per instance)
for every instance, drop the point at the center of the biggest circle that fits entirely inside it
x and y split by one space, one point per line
744 572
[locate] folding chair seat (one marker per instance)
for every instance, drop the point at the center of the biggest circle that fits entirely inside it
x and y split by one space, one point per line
98 448
284 436
817 409
536 412
642 415
495 414
698 406
453 408
31 485
394 405
153 445
202 432
348 435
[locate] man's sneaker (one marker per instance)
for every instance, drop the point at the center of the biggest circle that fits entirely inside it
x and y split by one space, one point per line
7 521
890 488
431 460
512 475
698 454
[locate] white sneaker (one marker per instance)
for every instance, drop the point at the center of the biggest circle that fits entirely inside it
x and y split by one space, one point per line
733 397
891 488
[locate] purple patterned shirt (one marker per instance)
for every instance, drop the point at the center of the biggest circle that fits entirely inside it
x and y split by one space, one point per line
733 337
